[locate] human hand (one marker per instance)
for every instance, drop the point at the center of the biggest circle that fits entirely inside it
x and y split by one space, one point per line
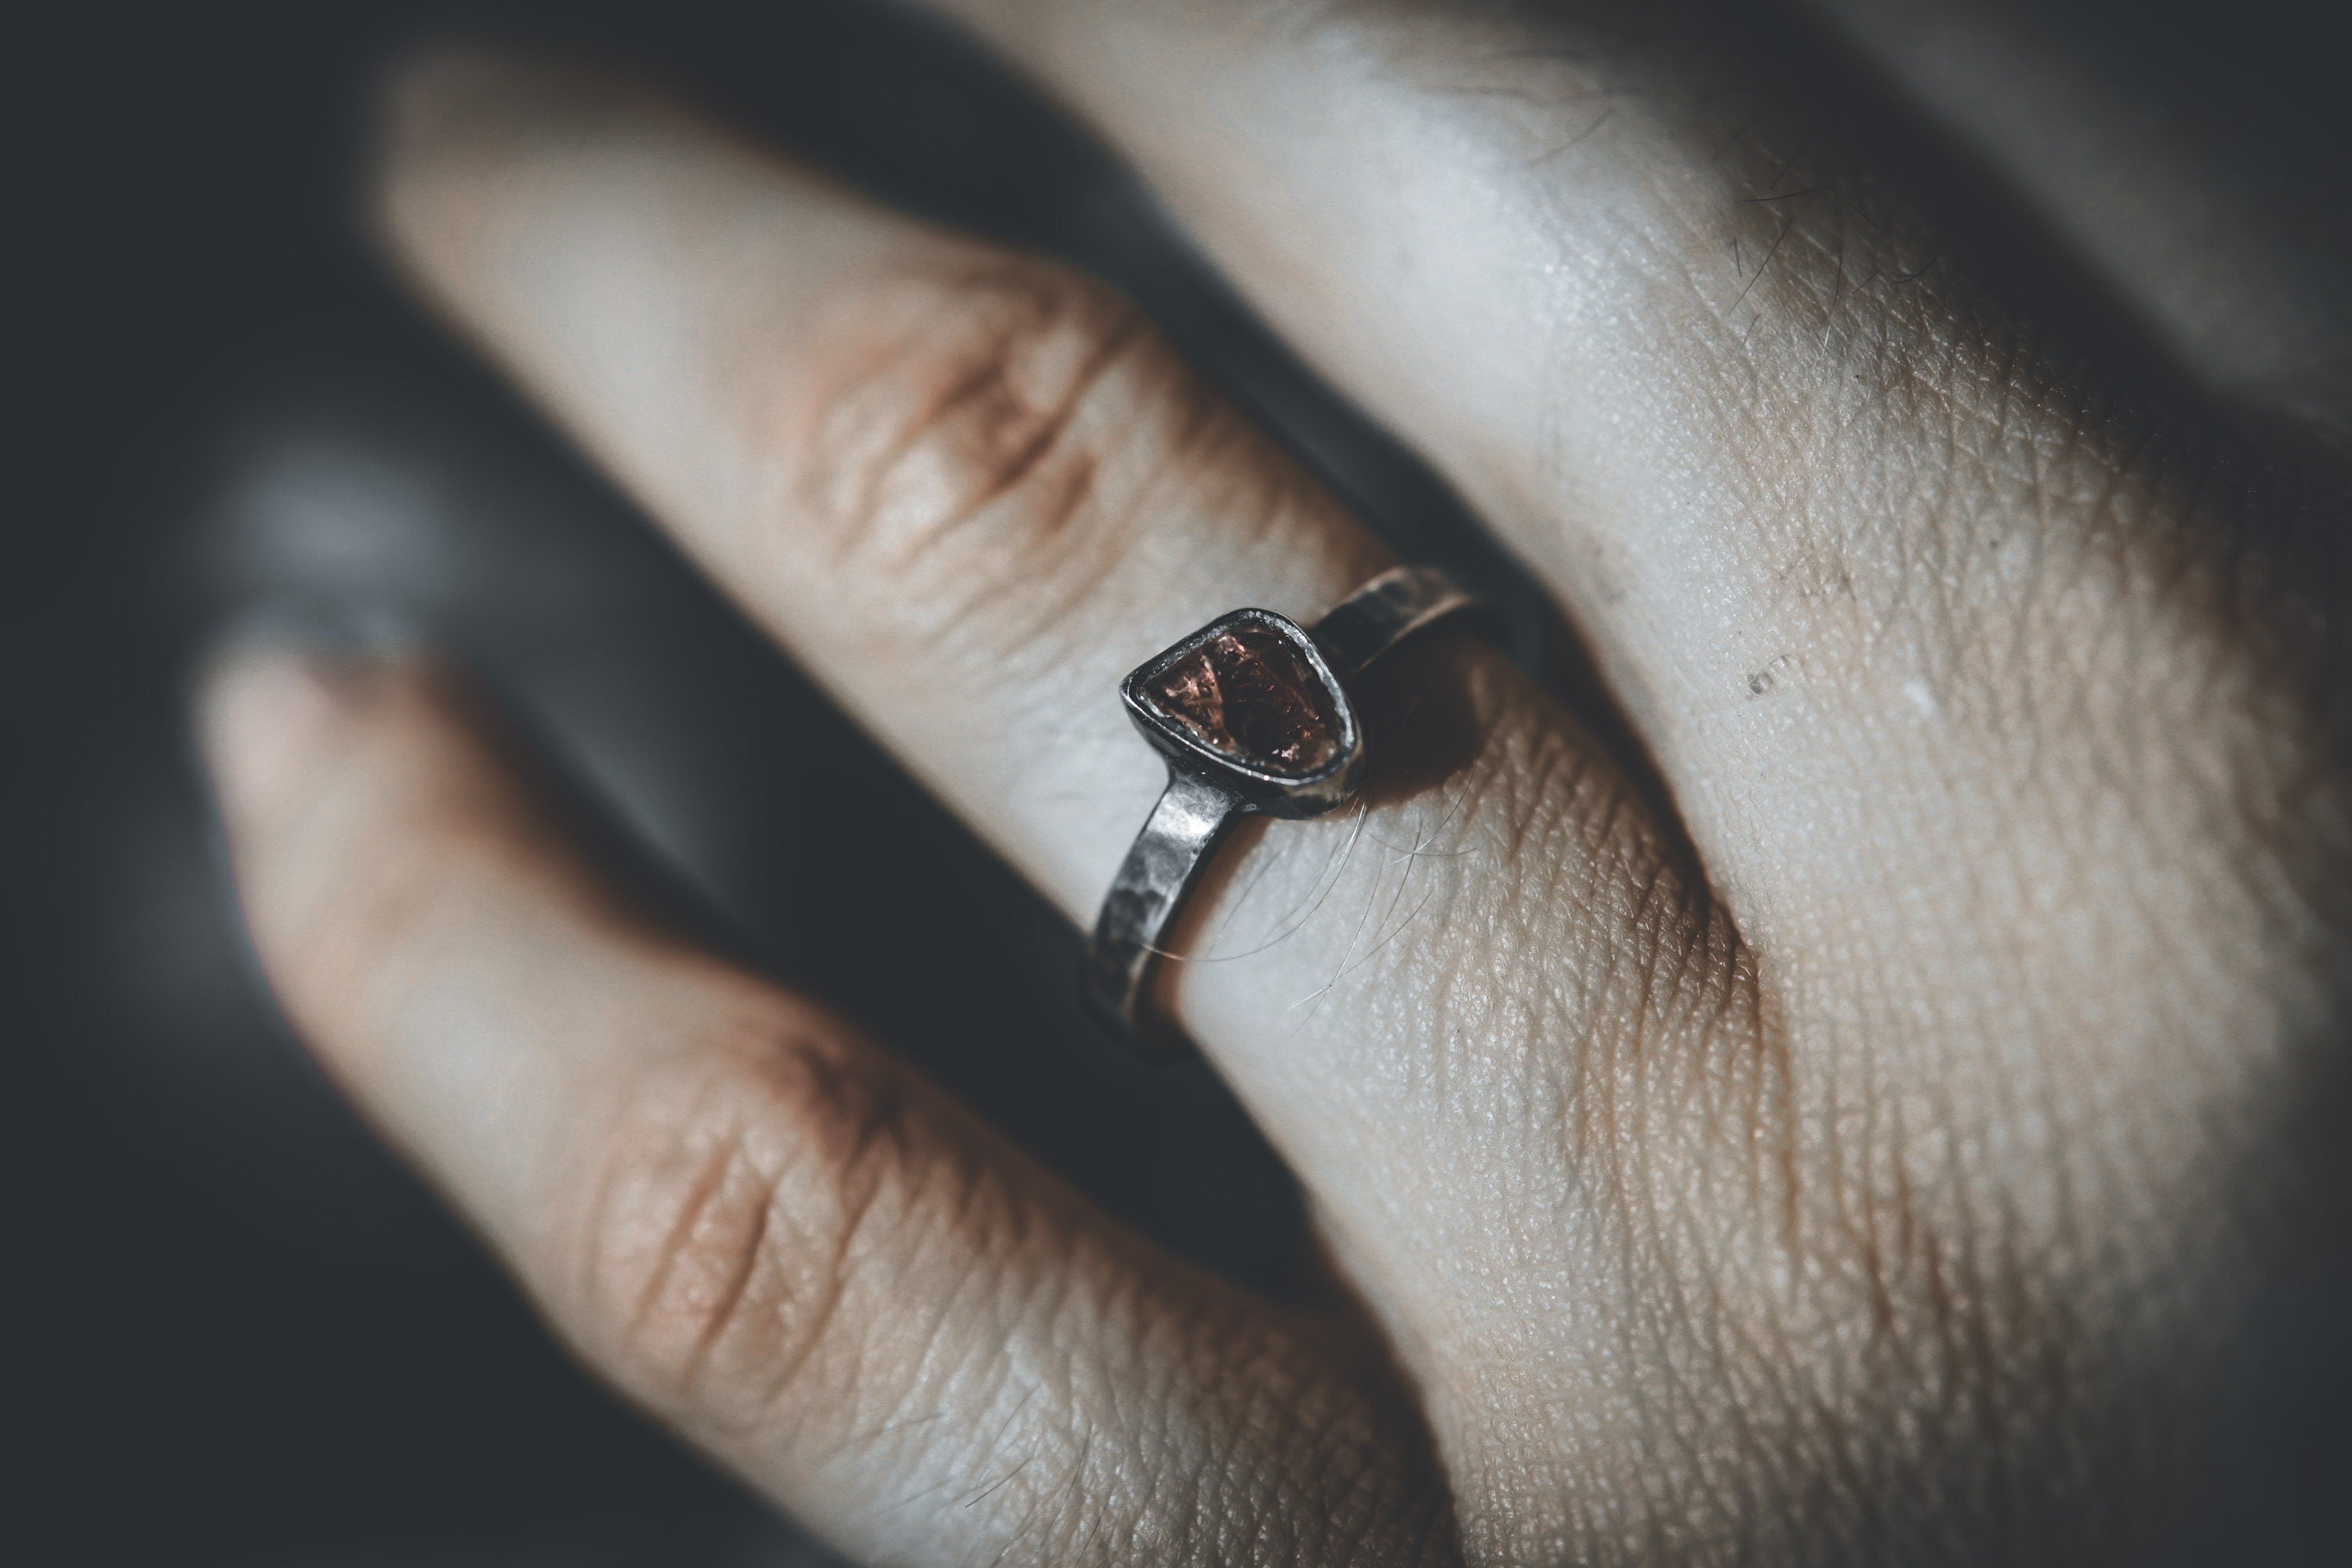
1864 1163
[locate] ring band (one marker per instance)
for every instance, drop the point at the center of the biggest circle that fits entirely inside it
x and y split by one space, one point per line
1253 714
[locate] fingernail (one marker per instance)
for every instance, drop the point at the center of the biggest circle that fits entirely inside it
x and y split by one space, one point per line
421 91
460 98
263 714
269 693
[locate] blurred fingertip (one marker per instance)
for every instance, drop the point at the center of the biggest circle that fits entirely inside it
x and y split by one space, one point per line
271 691
448 100
424 90
262 713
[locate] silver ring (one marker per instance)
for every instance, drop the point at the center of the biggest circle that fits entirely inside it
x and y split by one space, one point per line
1253 714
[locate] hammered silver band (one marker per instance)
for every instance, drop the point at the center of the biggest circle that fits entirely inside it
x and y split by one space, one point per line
1207 796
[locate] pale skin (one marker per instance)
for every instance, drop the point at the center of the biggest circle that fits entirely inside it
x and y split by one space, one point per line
1865 1153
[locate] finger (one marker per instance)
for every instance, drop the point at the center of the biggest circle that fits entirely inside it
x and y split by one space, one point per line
759 1227
971 492
2004 713
1858 548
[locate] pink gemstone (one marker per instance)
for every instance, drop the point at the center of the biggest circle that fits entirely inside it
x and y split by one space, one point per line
1248 695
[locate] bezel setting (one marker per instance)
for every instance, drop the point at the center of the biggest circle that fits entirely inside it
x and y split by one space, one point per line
1276 794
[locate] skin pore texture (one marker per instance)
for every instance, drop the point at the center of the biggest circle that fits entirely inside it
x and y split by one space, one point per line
1869 1162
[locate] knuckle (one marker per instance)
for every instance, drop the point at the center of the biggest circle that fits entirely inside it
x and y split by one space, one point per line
947 443
732 1207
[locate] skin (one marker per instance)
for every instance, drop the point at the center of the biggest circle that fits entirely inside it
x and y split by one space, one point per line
1872 1151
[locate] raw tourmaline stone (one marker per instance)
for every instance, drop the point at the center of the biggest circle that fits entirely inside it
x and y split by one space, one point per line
1248 695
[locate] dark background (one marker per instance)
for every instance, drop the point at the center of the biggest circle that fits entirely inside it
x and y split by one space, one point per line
244 1334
